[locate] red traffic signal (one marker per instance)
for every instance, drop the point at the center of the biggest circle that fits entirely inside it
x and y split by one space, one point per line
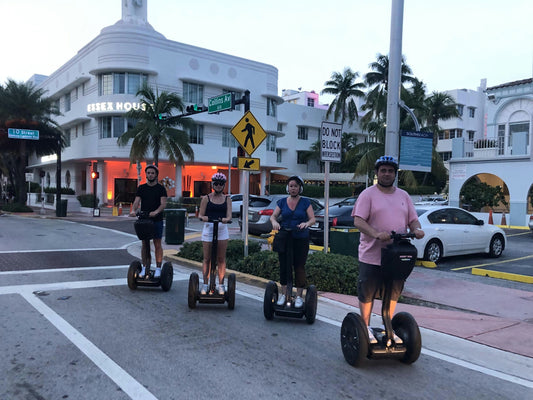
95 175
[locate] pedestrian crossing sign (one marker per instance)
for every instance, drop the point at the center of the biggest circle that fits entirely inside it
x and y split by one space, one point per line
249 133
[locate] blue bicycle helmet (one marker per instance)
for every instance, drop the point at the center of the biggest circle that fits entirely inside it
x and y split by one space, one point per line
386 160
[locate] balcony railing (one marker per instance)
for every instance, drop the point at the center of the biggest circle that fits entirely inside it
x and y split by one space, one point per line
489 148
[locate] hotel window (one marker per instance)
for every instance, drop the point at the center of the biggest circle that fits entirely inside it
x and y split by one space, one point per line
114 127
193 93
310 102
280 127
67 136
471 112
271 107
121 83
303 133
271 143
67 102
300 157
471 135
278 155
460 109
518 127
228 140
196 134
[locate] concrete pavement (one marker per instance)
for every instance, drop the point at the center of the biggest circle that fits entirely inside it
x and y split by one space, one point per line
467 307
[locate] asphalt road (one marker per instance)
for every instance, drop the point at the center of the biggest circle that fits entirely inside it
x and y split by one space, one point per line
72 329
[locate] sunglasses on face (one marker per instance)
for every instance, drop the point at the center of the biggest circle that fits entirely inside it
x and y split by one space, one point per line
218 183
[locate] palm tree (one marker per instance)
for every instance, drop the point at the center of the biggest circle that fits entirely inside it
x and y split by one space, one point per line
345 90
24 106
378 82
155 128
439 106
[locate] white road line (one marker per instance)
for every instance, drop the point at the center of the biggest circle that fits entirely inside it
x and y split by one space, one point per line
124 380
121 377
124 246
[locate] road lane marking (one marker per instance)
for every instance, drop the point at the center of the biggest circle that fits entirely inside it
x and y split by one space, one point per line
492 263
125 381
123 247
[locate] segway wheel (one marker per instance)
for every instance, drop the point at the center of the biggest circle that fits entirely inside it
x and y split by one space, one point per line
167 276
311 300
193 289
133 272
231 291
271 295
354 339
406 328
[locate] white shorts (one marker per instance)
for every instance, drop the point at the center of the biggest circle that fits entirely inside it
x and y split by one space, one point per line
207 232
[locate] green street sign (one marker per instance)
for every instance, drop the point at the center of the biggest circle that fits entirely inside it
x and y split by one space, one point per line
13 133
223 102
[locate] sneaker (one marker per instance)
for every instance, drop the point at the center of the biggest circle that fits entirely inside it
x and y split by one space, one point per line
281 300
204 289
142 273
397 339
298 303
221 290
157 273
371 338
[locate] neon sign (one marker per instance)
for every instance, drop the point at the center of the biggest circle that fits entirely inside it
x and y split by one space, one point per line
110 106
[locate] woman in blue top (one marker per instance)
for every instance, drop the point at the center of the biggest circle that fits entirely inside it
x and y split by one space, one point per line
298 215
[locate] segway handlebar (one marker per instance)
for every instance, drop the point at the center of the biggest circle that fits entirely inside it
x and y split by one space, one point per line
219 220
273 233
400 236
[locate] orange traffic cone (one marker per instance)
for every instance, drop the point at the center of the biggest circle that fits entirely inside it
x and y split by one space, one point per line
490 217
120 209
196 212
504 221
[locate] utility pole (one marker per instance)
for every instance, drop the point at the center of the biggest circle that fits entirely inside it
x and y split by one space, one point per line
392 138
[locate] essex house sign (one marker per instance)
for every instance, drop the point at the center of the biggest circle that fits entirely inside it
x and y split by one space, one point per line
113 106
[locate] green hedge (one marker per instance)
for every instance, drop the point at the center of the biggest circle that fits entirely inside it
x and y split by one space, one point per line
64 190
86 200
328 272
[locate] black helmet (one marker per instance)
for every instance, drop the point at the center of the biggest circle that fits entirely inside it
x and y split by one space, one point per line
386 160
153 167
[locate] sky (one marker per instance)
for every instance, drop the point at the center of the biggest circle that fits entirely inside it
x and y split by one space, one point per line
450 44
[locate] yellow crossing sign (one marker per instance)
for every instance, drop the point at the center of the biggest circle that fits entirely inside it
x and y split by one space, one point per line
249 133
249 164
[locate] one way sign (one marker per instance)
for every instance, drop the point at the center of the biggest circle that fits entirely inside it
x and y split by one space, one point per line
249 164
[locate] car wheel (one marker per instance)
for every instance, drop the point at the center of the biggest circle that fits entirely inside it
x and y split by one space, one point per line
496 246
433 251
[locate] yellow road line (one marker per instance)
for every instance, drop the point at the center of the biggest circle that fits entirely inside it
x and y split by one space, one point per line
502 275
492 263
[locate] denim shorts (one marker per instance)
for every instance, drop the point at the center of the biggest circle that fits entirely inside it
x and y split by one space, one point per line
158 227
371 286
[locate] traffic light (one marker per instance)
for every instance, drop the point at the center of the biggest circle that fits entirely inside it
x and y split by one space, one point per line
195 108
95 175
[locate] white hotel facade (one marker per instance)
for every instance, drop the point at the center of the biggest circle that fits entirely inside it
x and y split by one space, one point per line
95 89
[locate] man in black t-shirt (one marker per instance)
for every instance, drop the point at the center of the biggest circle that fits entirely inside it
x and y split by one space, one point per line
152 197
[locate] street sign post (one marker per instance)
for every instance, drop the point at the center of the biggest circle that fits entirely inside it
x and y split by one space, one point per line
249 133
223 102
15 133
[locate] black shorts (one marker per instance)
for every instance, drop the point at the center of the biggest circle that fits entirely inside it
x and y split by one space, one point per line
370 285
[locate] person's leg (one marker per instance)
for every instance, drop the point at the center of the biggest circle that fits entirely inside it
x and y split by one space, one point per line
221 259
366 311
158 252
367 286
206 263
146 254
301 250
282 277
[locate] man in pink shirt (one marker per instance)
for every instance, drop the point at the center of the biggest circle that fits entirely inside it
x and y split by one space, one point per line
379 210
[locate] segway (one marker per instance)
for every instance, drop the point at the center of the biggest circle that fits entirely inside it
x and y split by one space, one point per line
270 305
144 228
397 260
212 296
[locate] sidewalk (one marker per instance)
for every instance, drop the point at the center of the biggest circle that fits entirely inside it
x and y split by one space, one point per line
491 315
